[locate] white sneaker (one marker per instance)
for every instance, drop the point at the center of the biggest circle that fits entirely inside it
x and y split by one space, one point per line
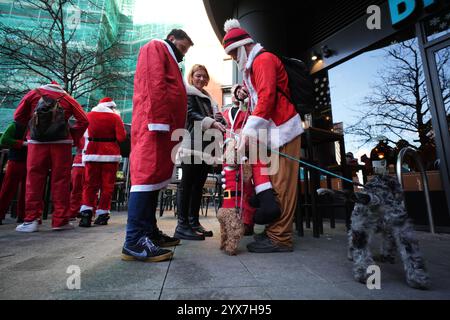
28 227
68 226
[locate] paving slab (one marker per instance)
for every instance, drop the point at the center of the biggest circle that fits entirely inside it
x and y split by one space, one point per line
35 266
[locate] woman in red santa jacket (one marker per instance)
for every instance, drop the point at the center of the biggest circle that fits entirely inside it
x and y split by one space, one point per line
53 155
101 156
268 209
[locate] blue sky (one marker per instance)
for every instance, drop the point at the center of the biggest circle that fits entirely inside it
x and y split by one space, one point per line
350 82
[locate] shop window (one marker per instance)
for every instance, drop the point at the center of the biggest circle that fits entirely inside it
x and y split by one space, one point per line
437 26
379 100
226 96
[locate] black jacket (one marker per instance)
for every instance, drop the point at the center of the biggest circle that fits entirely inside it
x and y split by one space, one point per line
201 109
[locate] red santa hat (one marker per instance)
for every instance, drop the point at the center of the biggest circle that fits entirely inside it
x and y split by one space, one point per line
235 36
55 84
107 102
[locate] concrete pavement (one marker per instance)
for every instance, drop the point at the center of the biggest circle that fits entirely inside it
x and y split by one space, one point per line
34 266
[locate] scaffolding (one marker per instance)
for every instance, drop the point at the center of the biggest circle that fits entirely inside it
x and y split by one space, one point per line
96 24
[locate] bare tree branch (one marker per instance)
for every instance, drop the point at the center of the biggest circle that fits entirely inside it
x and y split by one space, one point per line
399 100
53 51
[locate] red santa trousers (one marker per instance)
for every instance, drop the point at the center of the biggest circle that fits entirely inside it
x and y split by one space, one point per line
41 159
77 191
15 177
99 176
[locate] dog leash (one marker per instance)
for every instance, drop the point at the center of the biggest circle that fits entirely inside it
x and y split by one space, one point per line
309 164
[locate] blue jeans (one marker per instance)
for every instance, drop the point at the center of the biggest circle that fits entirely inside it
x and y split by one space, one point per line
141 216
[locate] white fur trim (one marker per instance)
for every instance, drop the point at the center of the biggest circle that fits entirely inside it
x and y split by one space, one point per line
51 142
263 187
231 24
286 132
150 187
238 44
278 135
193 91
247 79
78 165
100 212
85 208
252 55
158 127
53 87
101 158
106 104
170 50
207 123
103 107
255 123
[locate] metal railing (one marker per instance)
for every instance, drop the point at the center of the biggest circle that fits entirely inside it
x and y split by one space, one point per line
415 156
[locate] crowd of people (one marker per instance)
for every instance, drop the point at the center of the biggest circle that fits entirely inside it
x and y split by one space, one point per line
41 140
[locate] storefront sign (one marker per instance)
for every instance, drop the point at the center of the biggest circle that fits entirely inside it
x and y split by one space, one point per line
403 10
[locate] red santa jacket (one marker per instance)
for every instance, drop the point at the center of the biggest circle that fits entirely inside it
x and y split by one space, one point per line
105 131
261 181
236 123
266 79
26 107
159 104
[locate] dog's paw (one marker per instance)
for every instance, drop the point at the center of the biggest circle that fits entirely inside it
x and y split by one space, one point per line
418 279
230 253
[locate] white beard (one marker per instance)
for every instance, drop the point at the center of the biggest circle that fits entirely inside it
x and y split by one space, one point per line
241 59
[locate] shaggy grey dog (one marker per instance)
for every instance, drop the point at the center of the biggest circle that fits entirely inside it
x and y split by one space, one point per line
380 208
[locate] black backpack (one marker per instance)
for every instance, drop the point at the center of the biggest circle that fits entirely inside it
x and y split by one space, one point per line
301 84
48 122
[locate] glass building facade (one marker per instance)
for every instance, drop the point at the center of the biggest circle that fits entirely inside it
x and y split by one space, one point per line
95 25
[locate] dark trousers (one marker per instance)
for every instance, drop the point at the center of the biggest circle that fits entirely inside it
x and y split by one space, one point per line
191 189
141 216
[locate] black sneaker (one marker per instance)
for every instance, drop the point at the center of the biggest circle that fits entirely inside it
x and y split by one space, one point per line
102 220
202 230
267 246
163 240
145 250
86 219
260 236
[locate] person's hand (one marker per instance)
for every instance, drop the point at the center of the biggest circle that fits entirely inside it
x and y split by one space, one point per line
218 117
243 143
25 143
217 125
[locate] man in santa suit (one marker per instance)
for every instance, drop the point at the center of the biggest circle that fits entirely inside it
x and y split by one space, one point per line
101 156
77 182
54 155
159 108
272 115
